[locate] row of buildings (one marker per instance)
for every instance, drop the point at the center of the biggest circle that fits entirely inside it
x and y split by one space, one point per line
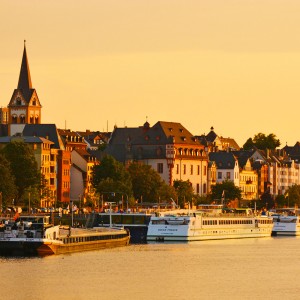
66 158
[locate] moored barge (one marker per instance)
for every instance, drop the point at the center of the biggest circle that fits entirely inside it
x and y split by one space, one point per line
34 235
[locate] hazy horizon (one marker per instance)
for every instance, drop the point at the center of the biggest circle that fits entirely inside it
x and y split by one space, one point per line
232 65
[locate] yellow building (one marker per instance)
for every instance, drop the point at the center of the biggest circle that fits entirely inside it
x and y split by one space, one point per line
248 181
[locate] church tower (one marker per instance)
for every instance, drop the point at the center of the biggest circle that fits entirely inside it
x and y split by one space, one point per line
24 106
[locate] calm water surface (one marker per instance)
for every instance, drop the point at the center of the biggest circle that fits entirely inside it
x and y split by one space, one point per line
265 268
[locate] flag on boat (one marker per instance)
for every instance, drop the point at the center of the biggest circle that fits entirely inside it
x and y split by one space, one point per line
17 216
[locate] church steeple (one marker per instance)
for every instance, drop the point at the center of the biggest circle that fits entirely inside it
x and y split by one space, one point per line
24 106
25 79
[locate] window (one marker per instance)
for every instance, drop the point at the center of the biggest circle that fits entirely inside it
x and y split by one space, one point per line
192 170
204 171
160 168
204 188
177 168
198 188
198 170
219 175
228 175
184 169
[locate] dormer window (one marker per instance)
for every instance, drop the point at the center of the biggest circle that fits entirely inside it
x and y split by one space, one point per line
18 101
34 102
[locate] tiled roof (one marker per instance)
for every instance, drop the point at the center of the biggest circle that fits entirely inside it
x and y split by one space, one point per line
147 142
223 160
243 156
231 143
165 133
48 131
25 139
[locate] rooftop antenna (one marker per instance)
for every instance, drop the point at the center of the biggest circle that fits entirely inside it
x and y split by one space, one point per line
107 126
65 124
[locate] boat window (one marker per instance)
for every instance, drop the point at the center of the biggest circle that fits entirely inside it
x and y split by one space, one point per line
117 219
139 220
127 219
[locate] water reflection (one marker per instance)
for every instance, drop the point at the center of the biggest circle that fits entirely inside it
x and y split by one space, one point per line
229 269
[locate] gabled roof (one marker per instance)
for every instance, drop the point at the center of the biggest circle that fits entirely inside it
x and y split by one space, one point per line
223 160
143 142
243 156
229 143
293 151
83 153
163 133
48 131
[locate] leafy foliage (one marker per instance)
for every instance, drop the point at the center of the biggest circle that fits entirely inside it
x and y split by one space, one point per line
111 176
8 189
262 142
231 191
184 192
23 166
146 182
293 195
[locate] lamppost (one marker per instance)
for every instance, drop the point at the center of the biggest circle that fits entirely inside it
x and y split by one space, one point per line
0 202
71 207
29 202
110 221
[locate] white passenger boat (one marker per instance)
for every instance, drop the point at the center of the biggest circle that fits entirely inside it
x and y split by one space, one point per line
201 225
34 235
286 225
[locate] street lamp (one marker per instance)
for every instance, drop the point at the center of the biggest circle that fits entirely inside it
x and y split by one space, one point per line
110 221
29 202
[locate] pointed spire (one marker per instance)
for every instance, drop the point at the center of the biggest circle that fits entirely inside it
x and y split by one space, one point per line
25 79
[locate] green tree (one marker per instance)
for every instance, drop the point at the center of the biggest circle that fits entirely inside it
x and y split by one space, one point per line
293 195
167 193
262 142
146 182
266 200
111 176
24 167
249 144
185 192
281 201
8 189
226 189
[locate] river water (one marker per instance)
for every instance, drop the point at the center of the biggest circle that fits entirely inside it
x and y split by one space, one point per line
265 268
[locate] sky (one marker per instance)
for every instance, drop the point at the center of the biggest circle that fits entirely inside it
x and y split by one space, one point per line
230 64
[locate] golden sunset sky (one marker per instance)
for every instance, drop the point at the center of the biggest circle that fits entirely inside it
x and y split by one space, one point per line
231 64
